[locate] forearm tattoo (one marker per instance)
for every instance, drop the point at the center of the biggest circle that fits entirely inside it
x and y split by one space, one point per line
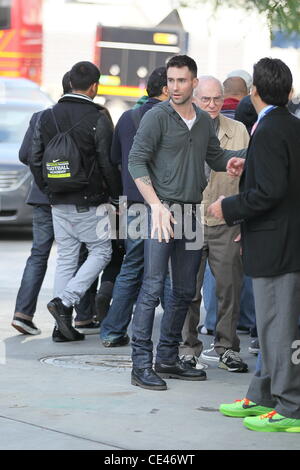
146 180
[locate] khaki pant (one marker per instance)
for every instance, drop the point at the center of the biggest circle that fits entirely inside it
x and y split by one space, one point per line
223 256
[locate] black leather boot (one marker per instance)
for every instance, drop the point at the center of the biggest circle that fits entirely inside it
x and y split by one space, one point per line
122 341
63 317
147 378
58 337
179 370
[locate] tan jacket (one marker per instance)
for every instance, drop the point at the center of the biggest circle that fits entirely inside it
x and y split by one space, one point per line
233 135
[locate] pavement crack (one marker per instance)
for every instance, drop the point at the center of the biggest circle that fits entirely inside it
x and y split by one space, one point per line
45 428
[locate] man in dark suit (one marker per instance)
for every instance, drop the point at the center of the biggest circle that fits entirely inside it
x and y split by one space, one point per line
268 208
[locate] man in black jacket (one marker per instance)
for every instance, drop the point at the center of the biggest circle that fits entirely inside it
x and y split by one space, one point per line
36 265
75 217
268 209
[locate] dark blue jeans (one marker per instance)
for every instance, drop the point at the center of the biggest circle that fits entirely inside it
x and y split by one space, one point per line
247 317
36 264
126 290
183 271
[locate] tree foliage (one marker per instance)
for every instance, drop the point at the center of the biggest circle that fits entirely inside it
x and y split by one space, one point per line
283 15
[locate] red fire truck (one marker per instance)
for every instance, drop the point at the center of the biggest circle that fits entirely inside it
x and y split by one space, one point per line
21 39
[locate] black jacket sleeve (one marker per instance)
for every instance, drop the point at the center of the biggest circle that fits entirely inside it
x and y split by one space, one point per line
36 157
116 150
111 174
25 149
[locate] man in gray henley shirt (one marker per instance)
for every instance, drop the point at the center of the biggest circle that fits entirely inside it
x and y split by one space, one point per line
167 158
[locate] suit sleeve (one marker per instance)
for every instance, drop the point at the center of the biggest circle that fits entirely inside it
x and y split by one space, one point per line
270 166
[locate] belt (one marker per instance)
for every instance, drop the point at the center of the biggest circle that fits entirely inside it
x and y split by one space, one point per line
192 206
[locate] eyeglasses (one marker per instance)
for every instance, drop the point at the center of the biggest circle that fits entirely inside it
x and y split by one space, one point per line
207 99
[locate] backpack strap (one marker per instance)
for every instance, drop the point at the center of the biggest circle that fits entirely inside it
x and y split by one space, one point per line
55 121
76 123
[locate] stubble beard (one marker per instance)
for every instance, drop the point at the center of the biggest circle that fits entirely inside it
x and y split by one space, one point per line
182 102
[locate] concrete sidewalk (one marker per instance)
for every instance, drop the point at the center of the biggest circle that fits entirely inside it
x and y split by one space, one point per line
90 406
44 406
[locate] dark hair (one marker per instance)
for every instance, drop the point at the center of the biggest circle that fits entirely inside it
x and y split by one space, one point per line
156 82
273 80
245 113
83 75
66 83
180 61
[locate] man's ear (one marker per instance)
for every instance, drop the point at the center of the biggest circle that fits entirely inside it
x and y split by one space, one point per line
254 91
95 87
165 90
195 82
92 90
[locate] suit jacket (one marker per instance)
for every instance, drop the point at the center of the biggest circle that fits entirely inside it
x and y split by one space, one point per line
268 206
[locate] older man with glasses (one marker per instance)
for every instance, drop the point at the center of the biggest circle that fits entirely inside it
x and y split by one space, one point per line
220 249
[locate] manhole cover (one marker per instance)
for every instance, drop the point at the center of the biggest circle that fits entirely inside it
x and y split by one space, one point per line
89 361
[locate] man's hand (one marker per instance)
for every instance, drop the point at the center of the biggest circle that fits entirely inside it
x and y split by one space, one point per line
235 166
215 209
161 222
161 216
